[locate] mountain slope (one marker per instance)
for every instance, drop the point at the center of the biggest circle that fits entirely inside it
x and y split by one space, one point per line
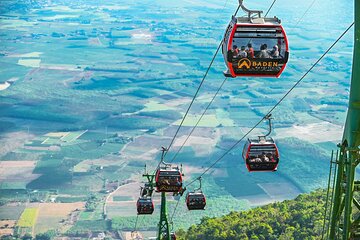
297 219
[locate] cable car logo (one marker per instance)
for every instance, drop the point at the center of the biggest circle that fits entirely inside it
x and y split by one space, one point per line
247 64
244 62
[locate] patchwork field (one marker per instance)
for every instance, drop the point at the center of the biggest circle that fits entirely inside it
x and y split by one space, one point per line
16 174
57 216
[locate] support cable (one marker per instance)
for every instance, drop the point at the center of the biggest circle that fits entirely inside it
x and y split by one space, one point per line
173 214
327 195
136 221
270 8
306 11
332 193
199 120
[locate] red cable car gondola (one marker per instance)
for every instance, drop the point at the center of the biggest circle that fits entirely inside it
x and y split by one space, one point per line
246 42
195 201
168 179
261 155
145 205
172 236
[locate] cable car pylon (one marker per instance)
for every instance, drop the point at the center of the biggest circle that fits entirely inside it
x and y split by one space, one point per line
163 181
164 230
345 214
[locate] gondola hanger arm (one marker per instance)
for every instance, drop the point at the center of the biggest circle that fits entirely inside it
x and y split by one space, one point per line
268 118
248 11
164 150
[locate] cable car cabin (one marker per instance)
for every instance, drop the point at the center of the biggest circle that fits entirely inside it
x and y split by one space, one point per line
145 205
256 47
261 155
168 180
195 201
172 236
146 190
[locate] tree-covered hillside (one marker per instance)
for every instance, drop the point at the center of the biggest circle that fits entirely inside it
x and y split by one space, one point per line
298 219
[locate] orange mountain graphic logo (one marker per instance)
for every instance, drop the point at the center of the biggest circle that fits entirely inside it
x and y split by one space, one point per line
244 63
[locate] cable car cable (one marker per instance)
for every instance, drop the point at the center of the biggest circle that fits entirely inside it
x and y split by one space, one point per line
172 215
277 104
310 6
199 120
270 8
136 221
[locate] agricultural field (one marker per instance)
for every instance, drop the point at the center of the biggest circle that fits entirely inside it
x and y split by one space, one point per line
28 218
57 216
27 221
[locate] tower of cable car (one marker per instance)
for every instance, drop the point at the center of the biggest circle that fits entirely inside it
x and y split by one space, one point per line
166 179
255 46
345 213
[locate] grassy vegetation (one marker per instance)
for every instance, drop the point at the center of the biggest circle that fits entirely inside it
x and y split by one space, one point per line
90 150
84 226
28 217
71 199
128 223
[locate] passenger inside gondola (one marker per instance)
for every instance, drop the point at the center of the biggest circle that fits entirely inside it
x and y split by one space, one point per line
250 51
275 52
233 53
263 52
262 161
242 53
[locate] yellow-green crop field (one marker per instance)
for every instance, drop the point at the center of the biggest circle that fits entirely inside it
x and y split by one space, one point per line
28 217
